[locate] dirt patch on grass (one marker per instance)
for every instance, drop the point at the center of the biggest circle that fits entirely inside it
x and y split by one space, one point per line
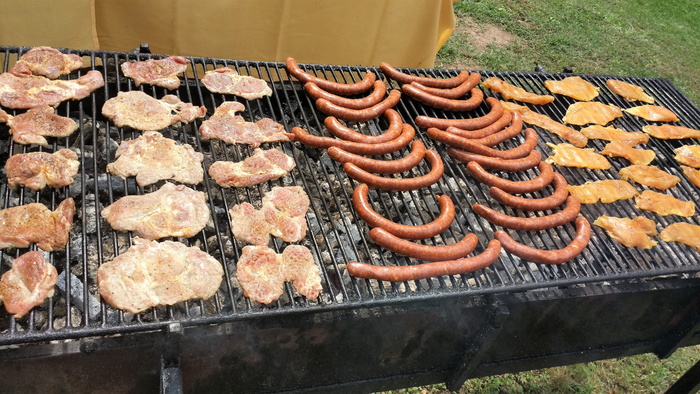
483 35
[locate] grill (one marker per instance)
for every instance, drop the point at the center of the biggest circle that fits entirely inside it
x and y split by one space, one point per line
336 235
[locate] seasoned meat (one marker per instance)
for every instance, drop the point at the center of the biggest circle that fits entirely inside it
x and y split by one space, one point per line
512 92
634 155
28 283
154 273
692 174
570 156
46 61
649 176
249 225
32 126
161 72
225 125
33 91
171 211
605 191
628 91
263 166
610 133
226 80
34 223
574 87
664 205
152 157
653 113
140 111
688 155
36 170
671 132
591 112
685 233
633 233
575 137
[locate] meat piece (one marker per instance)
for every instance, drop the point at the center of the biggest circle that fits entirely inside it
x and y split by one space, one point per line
27 284
649 176
171 211
664 205
574 87
249 225
653 113
692 174
34 223
570 156
140 111
533 118
227 81
46 61
263 166
233 129
685 233
628 91
161 72
512 92
688 155
591 112
610 133
633 233
32 126
36 170
154 273
152 157
671 132
634 155
605 191
33 91
261 272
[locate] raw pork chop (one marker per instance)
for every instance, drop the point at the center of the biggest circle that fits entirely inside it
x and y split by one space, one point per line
33 91
261 272
226 80
36 170
263 166
152 157
171 211
233 129
154 273
32 126
27 284
46 61
29 223
140 111
161 72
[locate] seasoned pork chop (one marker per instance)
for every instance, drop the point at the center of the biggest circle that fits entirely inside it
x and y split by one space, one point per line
32 126
163 72
36 170
226 80
34 223
46 61
30 281
33 91
633 233
233 129
263 166
140 111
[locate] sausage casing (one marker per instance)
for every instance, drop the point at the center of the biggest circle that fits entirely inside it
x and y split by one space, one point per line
359 115
373 98
496 163
496 126
455 105
531 185
453 93
534 204
393 131
334 87
403 247
444 83
399 184
519 151
467 124
381 166
566 215
360 148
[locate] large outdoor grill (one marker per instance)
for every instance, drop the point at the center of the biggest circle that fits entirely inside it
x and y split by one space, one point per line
611 301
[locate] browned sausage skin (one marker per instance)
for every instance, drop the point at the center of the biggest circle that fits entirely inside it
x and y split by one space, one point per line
427 270
360 200
566 215
521 150
496 138
496 163
359 103
381 166
454 93
467 124
403 247
444 83
399 184
407 135
339 130
495 127
534 204
528 253
538 183
334 87
455 105
359 115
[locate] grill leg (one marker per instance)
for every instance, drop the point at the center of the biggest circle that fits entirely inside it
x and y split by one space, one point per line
688 383
170 378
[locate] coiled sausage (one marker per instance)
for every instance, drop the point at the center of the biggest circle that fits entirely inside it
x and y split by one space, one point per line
359 103
538 183
566 215
455 105
521 150
496 138
456 92
334 87
397 75
534 204
495 127
391 242
496 163
360 148
467 124
394 130
359 115
381 166
399 184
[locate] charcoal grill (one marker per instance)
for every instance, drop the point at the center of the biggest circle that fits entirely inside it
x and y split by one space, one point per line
361 334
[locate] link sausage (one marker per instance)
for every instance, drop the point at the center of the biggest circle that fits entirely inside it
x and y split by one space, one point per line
399 184
496 138
334 87
531 185
495 163
454 93
359 115
573 249
467 124
360 200
566 215
360 148
381 166
339 130
359 103
496 126
534 204
455 105
456 141
444 83
391 242
401 273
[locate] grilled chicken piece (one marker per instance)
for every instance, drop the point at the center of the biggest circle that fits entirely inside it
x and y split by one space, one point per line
261 272
628 91
46 61
634 155
226 80
688 155
610 133
32 126
633 233
171 211
574 87
233 129
140 111
575 137
671 132
161 72
154 273
591 112
263 166
685 233
605 191
649 176
36 170
152 157
34 91
570 156
664 205
34 223
692 174
512 92
653 113
30 281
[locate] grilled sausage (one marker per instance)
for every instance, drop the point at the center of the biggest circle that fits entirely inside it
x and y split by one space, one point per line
334 87
566 215
360 201
496 138
467 124
495 163
538 183
573 249
391 242
444 83
360 148
496 126
380 166
426 270
454 93
534 204
359 103
455 105
519 151
359 115
394 130
399 184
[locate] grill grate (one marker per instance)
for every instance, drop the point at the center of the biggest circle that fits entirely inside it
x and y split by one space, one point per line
336 234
